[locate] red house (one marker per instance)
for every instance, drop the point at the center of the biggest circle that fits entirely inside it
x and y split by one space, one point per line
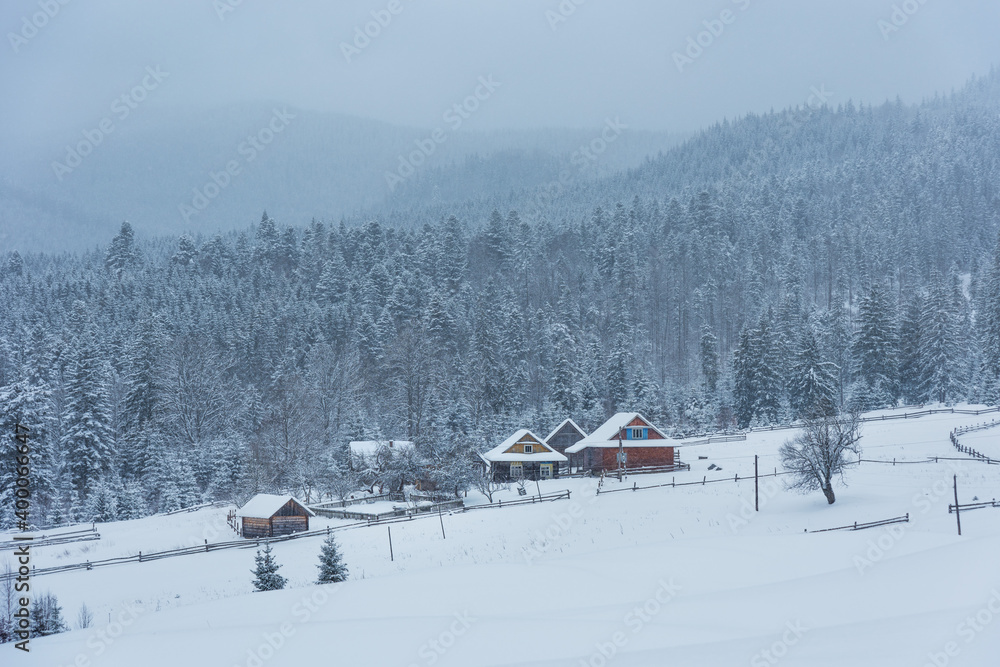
628 436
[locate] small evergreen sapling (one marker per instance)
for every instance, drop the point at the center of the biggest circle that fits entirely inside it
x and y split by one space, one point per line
331 567
266 577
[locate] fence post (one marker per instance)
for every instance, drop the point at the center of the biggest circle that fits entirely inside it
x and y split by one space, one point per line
391 557
756 486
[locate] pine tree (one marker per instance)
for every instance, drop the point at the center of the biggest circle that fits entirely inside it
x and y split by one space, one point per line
45 616
87 435
910 351
940 354
812 390
331 566
266 577
121 253
876 350
709 349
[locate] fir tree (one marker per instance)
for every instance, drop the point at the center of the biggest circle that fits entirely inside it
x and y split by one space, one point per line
812 390
331 566
876 350
266 577
45 616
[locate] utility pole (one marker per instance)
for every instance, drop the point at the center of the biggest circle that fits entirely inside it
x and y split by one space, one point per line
391 558
621 454
441 517
756 486
957 518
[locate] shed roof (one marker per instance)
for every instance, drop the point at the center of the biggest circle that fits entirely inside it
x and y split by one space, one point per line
564 423
266 505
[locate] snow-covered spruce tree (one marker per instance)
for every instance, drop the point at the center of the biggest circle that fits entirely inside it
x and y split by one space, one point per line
266 577
819 454
910 351
331 566
45 616
812 391
988 325
941 370
27 403
87 438
876 350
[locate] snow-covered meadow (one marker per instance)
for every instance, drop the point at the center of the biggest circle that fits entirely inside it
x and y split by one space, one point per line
681 576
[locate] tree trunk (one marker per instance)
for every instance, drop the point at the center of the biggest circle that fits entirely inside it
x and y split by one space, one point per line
828 492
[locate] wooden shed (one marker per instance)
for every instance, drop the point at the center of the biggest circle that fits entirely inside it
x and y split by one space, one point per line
267 515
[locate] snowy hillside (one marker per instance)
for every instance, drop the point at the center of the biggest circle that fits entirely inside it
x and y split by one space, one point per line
680 576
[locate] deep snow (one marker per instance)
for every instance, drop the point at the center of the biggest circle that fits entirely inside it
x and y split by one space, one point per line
680 576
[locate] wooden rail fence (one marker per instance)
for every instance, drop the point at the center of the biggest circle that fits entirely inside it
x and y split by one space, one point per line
865 526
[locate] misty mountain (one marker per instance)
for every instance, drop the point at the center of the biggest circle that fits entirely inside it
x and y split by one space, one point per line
170 173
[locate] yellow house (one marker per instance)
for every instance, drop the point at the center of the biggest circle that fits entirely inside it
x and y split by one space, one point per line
524 456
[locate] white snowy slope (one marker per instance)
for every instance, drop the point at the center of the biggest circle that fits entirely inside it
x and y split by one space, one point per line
667 576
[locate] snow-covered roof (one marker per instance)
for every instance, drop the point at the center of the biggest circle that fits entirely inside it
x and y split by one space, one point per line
606 435
497 454
371 447
559 428
264 505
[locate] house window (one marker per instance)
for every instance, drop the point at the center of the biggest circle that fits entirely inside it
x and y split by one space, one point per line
638 434
528 449
516 470
546 471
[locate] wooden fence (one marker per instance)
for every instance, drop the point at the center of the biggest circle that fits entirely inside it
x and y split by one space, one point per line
332 513
864 526
973 506
84 535
530 500
969 450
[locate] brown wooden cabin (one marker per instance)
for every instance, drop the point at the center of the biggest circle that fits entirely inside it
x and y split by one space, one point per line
267 515
631 434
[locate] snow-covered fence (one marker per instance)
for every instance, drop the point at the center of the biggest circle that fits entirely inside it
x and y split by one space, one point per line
974 506
883 418
870 524
336 513
543 498
969 450
704 480
85 535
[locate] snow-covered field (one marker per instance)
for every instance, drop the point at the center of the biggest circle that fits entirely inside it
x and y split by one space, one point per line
668 576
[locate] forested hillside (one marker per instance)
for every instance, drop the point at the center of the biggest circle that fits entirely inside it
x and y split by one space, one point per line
770 268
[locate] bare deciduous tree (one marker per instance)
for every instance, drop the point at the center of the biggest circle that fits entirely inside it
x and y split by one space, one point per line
820 453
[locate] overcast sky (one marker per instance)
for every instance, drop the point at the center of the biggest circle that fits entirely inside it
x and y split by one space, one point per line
607 58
